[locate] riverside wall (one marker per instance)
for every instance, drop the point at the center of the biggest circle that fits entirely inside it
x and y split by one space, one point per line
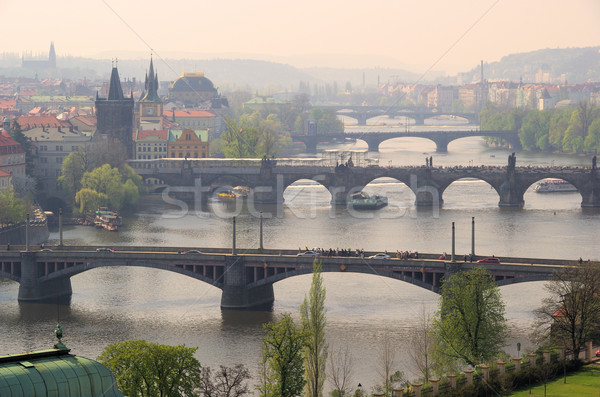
15 234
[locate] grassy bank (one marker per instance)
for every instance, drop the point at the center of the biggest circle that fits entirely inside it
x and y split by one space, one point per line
585 382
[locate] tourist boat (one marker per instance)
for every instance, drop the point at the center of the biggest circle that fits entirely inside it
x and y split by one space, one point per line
554 186
362 201
241 191
226 196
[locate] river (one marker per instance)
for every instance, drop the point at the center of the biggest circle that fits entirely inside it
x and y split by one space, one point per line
115 304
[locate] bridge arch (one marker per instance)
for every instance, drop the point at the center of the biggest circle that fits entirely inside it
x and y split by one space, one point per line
300 186
389 186
186 270
9 276
327 269
536 197
483 192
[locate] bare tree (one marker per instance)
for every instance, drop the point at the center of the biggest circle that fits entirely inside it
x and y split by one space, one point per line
340 371
420 345
389 377
571 314
227 381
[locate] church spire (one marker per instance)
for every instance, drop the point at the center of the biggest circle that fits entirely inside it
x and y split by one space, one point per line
115 92
151 86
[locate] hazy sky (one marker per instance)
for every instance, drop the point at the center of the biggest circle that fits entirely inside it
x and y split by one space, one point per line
413 34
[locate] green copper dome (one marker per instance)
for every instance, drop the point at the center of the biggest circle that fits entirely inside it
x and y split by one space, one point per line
54 372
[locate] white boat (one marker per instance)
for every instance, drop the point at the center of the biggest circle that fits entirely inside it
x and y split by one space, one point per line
554 186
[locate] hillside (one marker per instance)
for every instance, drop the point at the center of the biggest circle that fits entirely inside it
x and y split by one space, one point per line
575 65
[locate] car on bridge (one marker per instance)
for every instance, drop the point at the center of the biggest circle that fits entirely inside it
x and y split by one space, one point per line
45 250
192 252
489 260
379 256
308 253
105 250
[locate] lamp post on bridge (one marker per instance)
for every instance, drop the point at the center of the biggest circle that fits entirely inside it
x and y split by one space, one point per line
473 236
453 242
60 227
233 242
261 232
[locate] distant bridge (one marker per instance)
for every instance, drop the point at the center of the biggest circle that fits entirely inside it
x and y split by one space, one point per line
363 113
269 180
246 280
374 139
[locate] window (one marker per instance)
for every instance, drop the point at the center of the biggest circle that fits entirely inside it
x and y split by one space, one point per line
44 160
59 160
74 148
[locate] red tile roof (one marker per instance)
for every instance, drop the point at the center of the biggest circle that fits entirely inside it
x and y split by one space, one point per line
5 141
87 120
4 173
28 122
143 134
187 113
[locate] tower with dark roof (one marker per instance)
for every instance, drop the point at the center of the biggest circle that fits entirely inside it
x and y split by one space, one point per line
151 106
114 115
52 56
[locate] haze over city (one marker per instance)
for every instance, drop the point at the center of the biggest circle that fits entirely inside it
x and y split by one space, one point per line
446 36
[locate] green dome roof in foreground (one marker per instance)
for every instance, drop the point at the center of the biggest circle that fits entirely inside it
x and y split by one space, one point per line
55 372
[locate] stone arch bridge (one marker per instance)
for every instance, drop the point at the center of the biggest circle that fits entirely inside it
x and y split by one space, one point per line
246 280
269 180
374 139
363 113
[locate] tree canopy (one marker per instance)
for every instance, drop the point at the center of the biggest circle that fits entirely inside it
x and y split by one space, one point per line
570 315
107 186
282 348
571 130
312 314
469 325
151 369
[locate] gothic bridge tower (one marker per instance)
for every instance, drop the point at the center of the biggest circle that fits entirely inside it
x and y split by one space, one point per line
115 115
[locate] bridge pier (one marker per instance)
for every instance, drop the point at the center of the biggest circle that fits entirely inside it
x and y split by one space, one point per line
419 120
441 145
590 194
311 144
236 294
510 194
361 118
31 289
372 143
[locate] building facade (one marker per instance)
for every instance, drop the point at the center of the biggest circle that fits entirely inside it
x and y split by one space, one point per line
52 145
188 144
12 156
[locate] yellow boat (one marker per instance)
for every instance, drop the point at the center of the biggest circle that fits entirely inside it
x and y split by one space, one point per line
226 196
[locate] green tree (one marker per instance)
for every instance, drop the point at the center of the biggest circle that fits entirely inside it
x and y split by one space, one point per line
559 122
579 124
151 369
12 208
282 349
121 191
534 132
312 314
73 168
89 200
592 140
570 315
469 325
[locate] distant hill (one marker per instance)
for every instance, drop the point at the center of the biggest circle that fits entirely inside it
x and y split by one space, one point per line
576 65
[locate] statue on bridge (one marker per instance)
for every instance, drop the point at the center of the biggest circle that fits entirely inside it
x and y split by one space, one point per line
594 162
512 162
